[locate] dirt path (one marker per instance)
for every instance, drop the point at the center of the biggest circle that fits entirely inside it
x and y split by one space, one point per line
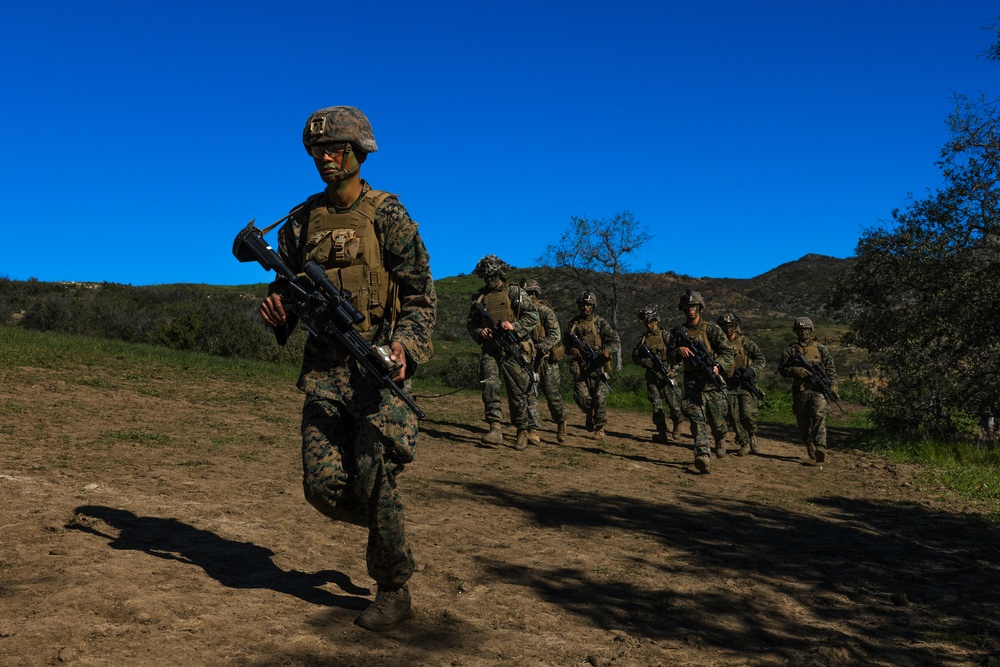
157 519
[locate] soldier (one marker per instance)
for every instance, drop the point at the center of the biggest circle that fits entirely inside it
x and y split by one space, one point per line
658 390
748 356
549 349
809 404
512 310
703 401
590 380
356 437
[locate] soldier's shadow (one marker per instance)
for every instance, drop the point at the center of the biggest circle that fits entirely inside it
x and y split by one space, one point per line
231 563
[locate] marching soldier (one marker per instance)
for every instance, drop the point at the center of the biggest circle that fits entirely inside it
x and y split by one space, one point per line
658 390
511 309
549 349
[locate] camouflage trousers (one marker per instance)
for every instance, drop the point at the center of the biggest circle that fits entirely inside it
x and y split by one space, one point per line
591 395
658 394
810 408
743 415
346 477
494 370
549 381
708 410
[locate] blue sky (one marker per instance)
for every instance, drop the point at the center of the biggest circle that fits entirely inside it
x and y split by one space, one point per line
138 138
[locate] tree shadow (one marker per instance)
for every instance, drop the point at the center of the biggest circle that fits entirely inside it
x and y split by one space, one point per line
880 582
233 564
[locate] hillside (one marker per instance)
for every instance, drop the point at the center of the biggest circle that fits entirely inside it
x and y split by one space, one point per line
795 288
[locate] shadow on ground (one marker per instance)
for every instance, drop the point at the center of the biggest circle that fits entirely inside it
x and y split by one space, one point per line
882 582
233 564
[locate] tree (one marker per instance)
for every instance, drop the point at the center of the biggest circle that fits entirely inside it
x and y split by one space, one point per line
922 295
596 253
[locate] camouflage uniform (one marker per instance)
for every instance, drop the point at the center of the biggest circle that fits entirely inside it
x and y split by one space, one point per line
657 391
743 404
590 392
547 337
809 405
703 404
495 365
357 437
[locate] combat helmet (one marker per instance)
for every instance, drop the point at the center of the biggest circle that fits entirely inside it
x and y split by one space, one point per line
728 320
649 314
587 298
491 265
690 297
802 323
339 124
530 285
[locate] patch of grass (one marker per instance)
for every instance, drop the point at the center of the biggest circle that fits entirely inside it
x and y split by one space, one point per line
137 436
970 470
196 463
11 408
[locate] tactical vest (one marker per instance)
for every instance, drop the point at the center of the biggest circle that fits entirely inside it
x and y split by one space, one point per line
740 357
347 246
586 331
497 303
700 332
811 352
654 341
538 335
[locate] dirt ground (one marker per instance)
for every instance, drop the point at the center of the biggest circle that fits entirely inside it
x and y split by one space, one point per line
156 518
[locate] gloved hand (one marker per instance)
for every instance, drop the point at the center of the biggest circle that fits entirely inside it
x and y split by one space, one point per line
801 373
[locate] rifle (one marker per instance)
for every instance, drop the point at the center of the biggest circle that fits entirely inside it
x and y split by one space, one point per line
702 360
593 361
746 378
818 377
324 310
659 368
508 342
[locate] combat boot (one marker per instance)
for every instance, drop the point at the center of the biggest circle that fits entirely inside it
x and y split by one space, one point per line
522 441
494 436
533 437
389 609
590 421
753 445
820 454
744 449
811 451
677 431
720 451
561 432
599 433
703 463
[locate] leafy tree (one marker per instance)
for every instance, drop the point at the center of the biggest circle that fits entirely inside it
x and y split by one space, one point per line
923 294
596 252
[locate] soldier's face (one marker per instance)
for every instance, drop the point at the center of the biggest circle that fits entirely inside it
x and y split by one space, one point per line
805 335
650 325
692 314
336 165
585 308
730 330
